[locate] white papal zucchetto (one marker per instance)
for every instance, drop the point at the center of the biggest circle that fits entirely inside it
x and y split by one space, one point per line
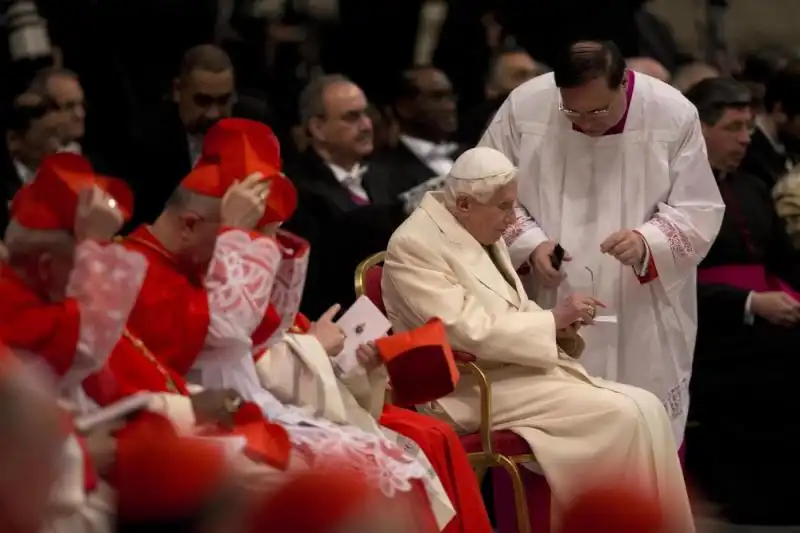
481 163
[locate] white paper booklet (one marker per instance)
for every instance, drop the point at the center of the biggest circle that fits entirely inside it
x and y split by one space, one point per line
362 323
606 319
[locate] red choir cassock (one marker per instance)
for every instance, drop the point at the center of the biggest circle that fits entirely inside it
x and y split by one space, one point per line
31 322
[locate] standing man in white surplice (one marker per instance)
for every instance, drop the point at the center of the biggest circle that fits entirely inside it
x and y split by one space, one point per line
613 170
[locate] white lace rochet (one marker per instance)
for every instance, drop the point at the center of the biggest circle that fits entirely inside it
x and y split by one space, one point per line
105 282
239 284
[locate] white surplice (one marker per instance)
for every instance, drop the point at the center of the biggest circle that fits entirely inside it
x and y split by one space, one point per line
653 177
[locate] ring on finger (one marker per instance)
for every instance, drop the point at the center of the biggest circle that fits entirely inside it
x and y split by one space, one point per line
232 404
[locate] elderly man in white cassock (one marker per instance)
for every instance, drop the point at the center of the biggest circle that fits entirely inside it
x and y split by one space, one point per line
614 182
449 260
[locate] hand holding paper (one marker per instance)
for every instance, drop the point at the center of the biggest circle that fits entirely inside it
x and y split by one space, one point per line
361 324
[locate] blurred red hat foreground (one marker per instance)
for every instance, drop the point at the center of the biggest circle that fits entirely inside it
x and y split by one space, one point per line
614 509
333 499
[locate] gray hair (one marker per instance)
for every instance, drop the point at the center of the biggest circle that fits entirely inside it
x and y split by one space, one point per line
312 98
481 189
183 199
21 241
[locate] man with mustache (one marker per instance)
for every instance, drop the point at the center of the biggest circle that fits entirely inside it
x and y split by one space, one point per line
338 191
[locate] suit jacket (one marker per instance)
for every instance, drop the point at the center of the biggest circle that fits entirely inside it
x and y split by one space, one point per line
406 169
155 163
763 161
341 232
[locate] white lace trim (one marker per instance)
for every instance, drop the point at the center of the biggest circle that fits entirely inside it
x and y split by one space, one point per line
239 282
523 222
288 290
105 282
385 465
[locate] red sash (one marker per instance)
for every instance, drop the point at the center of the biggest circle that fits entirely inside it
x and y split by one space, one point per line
746 277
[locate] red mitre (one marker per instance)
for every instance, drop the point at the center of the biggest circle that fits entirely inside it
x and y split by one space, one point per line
267 443
613 509
420 364
160 476
50 200
315 501
237 148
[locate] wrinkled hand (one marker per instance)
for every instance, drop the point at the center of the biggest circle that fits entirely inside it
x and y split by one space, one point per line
368 356
570 332
626 246
244 202
329 335
776 307
101 444
97 217
216 406
575 308
543 268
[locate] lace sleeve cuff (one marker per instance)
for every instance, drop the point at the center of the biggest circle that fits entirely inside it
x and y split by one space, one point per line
239 283
105 284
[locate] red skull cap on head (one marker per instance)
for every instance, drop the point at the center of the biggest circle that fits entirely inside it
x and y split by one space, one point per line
237 148
50 200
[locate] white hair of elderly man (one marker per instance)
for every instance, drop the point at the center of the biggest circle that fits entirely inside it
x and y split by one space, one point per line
478 173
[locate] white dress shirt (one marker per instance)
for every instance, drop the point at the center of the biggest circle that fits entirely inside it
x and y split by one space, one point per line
195 144
437 157
351 179
25 174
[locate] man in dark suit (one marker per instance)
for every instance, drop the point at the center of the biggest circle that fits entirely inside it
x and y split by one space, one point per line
771 153
742 431
167 145
346 209
425 110
34 130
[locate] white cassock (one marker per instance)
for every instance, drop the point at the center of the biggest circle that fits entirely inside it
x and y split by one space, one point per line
574 189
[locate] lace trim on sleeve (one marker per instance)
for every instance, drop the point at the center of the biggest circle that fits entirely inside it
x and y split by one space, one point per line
288 290
522 223
105 282
239 283
385 465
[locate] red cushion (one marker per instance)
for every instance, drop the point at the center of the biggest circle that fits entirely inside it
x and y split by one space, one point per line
505 442
372 286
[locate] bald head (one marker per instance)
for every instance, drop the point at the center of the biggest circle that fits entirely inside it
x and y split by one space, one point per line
509 69
690 75
649 66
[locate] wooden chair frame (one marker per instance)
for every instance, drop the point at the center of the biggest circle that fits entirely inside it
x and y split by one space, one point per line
486 458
